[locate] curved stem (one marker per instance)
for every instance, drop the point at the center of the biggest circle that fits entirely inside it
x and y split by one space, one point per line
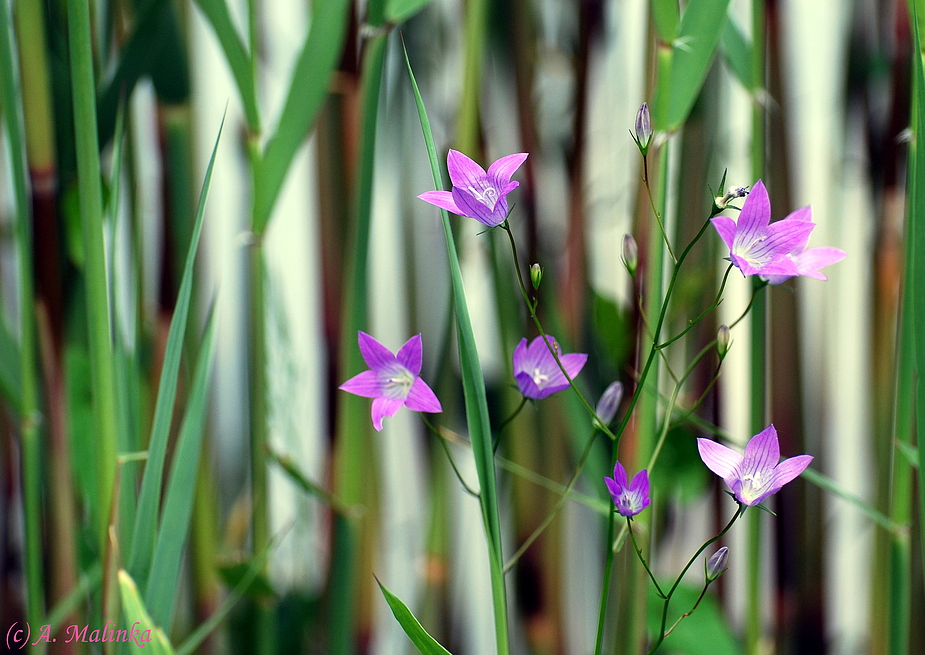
662 634
645 564
691 324
446 448
555 510
658 216
503 425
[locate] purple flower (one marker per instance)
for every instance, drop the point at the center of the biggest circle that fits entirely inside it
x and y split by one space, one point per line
808 262
392 380
759 473
631 498
477 194
537 373
759 247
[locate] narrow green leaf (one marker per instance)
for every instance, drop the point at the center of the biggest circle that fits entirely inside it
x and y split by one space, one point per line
698 37
217 14
737 52
398 11
666 14
142 631
916 246
425 644
307 91
10 370
161 593
827 484
146 518
474 394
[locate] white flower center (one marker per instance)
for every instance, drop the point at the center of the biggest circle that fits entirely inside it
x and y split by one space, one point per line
488 196
397 382
753 485
539 378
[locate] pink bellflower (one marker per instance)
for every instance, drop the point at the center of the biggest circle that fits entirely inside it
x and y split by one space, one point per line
536 371
759 473
759 247
630 498
392 380
477 194
808 262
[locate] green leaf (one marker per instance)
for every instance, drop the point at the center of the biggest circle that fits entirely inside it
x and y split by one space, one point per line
178 506
473 392
10 371
398 11
239 61
425 644
307 92
666 15
737 52
136 613
701 27
146 519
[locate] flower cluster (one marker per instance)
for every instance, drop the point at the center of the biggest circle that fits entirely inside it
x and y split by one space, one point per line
775 251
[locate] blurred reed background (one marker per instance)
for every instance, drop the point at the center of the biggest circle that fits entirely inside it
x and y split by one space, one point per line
170 404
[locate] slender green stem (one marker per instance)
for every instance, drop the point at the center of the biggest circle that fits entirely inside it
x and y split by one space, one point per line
714 305
28 391
703 592
449 455
555 510
655 211
645 564
662 633
504 424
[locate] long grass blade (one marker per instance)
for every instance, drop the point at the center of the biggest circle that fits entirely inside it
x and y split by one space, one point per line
161 592
474 393
421 639
146 518
142 631
307 91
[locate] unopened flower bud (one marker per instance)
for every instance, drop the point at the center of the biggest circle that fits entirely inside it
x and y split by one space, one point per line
609 403
630 254
722 340
536 275
643 129
716 565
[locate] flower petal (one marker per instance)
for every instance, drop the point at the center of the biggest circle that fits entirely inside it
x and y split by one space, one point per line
529 389
783 237
472 208
365 384
573 363
755 214
801 214
501 170
463 171
520 356
619 476
383 407
726 228
374 353
421 398
640 484
410 355
762 452
718 458
810 261
614 489
442 199
790 469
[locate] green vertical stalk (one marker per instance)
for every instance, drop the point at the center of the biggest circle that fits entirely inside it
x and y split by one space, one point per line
91 210
468 137
28 400
352 470
759 335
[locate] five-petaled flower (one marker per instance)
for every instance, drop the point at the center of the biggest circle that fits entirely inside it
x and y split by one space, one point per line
759 473
537 373
392 381
631 498
759 247
477 194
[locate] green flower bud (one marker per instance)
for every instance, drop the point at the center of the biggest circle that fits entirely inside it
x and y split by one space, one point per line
722 340
630 254
536 275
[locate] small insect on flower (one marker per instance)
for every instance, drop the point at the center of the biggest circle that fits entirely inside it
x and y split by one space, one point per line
631 498
759 473
476 193
536 371
392 380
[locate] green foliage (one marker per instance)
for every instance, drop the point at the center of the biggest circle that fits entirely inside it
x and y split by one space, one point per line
425 644
398 11
666 14
135 611
737 53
